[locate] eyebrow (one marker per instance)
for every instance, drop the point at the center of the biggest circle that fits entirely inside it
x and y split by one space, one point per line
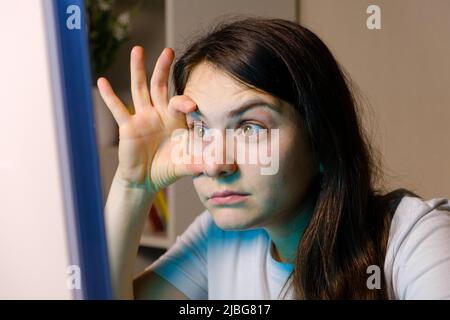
250 104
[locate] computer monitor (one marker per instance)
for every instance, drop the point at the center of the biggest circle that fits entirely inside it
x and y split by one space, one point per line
52 236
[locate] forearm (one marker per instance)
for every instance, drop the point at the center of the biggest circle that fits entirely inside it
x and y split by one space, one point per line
125 213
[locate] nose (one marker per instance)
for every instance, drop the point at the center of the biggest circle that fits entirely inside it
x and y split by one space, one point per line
213 169
224 164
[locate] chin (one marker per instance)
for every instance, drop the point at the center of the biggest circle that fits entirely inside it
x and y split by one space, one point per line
232 219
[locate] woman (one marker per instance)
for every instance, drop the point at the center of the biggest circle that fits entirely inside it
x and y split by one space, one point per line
315 229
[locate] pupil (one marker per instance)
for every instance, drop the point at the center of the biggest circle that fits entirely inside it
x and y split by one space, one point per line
200 131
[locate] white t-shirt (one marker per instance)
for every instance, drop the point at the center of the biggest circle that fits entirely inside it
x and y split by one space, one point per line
207 262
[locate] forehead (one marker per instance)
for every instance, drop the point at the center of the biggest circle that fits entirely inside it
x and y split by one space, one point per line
209 84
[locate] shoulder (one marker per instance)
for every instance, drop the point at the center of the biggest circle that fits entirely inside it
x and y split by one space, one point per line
417 263
414 215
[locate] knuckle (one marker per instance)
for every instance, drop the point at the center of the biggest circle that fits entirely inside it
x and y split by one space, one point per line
158 85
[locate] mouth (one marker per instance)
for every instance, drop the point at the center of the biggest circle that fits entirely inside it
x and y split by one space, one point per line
227 197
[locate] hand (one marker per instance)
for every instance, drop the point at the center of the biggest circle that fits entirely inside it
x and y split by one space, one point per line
145 144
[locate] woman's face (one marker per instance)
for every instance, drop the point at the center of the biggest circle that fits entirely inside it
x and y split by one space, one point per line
272 199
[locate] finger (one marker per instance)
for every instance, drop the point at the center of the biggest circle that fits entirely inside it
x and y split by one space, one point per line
191 164
160 78
139 85
117 108
180 105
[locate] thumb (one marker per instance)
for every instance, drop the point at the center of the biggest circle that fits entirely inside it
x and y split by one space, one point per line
190 169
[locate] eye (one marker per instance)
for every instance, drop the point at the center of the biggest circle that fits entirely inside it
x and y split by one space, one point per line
199 129
250 129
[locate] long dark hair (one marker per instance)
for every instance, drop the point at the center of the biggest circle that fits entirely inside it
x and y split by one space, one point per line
350 226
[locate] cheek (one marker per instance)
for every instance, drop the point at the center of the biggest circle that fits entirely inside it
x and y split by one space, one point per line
267 189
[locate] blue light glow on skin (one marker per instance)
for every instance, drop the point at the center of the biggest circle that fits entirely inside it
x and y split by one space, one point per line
277 202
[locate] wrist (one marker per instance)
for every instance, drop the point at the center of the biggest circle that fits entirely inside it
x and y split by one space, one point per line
138 184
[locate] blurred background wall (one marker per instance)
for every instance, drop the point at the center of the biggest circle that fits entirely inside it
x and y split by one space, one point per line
403 71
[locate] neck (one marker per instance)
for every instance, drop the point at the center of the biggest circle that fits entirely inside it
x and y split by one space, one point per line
287 234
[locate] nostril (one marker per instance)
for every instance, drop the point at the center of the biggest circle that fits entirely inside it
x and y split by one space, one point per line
213 167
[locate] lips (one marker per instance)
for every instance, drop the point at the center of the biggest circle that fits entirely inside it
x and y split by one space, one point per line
227 193
227 197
